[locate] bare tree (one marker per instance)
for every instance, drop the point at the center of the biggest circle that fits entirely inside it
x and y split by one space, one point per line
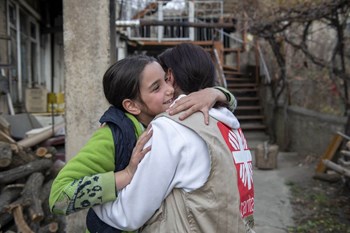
273 21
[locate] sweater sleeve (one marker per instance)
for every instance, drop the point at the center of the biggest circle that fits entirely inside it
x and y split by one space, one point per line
88 178
173 162
232 101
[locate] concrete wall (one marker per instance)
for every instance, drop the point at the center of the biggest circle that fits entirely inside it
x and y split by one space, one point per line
87 55
3 33
3 57
304 131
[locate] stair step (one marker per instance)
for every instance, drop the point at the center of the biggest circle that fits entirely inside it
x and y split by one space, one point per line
250 117
239 77
233 72
239 80
233 89
244 98
230 68
235 85
248 108
232 49
253 126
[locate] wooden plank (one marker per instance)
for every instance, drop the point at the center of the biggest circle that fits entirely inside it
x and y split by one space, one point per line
173 43
329 153
151 22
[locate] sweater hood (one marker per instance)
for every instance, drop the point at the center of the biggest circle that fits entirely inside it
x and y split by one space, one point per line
222 114
225 116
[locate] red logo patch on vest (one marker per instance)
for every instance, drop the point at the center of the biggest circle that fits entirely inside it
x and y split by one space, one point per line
242 159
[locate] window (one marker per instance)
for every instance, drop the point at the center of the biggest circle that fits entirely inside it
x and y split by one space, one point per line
24 52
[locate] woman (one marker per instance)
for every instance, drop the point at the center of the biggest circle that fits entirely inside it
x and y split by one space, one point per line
196 178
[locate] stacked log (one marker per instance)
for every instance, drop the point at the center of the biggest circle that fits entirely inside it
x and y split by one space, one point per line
342 165
26 175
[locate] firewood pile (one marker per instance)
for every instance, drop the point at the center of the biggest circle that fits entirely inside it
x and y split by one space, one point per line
27 169
342 166
337 158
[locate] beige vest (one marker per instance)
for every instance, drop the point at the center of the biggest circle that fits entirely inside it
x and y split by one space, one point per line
216 206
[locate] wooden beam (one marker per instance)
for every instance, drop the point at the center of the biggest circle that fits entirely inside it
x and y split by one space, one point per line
329 153
172 43
37 138
143 22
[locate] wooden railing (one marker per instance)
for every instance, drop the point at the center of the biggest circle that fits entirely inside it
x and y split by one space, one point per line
164 20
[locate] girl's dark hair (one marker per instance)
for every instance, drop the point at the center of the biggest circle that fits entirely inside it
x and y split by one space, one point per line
122 80
191 65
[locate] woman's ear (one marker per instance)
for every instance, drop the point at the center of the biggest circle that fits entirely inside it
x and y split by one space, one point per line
131 107
171 77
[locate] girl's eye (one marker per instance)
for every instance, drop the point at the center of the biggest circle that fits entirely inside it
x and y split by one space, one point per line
156 87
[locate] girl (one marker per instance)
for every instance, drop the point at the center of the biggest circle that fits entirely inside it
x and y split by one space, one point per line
137 85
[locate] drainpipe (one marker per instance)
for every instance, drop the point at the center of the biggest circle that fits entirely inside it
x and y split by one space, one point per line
191 19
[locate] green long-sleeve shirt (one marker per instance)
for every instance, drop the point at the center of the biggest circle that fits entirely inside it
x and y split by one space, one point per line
88 178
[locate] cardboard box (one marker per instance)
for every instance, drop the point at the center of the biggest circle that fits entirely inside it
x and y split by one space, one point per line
36 99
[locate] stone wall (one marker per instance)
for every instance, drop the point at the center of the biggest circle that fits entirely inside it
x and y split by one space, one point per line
305 131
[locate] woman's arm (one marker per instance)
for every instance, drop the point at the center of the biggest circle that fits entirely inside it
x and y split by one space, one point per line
202 101
172 162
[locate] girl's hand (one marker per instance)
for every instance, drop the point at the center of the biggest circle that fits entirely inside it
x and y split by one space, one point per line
124 177
201 101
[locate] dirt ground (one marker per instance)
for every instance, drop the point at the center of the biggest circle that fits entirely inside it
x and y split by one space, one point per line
319 206
290 200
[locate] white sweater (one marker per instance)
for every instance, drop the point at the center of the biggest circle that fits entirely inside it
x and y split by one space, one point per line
178 159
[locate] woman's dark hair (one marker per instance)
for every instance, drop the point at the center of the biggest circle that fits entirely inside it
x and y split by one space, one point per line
122 80
191 65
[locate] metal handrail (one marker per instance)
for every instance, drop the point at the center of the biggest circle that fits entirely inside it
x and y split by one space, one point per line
221 76
261 56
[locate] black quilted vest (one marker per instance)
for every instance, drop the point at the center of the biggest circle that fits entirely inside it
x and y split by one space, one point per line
124 142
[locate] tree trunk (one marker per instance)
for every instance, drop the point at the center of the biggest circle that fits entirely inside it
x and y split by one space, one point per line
337 168
31 193
21 224
5 218
7 196
49 228
5 154
25 170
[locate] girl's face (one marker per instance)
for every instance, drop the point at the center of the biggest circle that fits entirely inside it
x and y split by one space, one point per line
157 94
